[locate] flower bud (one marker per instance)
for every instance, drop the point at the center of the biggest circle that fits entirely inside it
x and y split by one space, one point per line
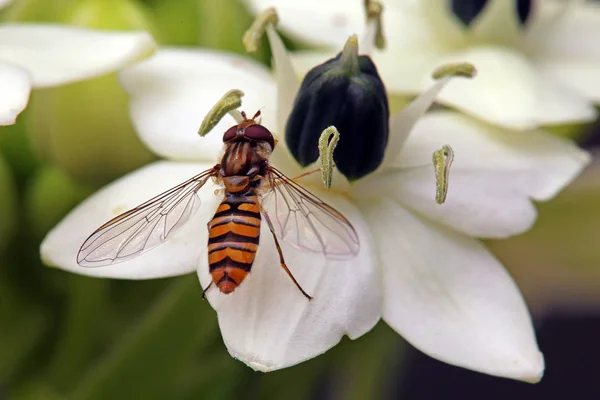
348 93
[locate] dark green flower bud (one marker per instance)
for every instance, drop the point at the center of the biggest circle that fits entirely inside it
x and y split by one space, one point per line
348 93
468 10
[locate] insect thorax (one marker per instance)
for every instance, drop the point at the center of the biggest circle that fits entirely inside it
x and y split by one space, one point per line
244 158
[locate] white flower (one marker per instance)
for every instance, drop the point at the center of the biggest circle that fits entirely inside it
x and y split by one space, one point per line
540 72
419 268
34 56
5 3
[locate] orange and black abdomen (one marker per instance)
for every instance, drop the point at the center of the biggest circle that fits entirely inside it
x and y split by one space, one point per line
233 236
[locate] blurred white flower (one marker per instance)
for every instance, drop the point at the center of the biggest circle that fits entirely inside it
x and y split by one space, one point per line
419 267
42 55
4 3
538 62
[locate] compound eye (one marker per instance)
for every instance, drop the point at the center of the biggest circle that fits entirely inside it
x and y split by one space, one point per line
259 133
230 133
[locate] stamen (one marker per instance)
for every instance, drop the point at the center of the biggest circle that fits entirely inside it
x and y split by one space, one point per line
288 83
442 160
226 104
326 148
403 121
285 74
465 70
256 31
373 36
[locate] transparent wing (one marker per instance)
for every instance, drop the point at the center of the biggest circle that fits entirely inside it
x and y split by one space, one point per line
143 227
304 221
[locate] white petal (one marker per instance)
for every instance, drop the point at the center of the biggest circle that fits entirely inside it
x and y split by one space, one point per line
443 27
418 33
498 22
561 41
4 3
283 160
173 91
406 77
504 91
287 79
494 175
311 178
178 255
448 297
56 54
320 22
14 95
559 104
414 39
330 23
305 60
479 146
507 90
566 30
268 324
402 123
490 204
544 18
582 77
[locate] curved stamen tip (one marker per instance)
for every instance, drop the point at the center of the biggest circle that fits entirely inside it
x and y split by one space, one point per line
256 31
226 104
327 142
442 161
374 11
466 70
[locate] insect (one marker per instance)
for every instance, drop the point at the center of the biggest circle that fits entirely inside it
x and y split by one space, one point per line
252 189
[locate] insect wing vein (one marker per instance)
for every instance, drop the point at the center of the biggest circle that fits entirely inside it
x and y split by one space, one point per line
145 226
304 221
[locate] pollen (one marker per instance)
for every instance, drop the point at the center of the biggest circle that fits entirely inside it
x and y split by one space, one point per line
119 210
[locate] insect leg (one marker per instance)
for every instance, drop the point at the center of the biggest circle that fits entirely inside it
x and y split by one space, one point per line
281 260
302 175
205 290
307 173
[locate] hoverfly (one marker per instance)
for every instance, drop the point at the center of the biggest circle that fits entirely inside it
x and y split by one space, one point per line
252 189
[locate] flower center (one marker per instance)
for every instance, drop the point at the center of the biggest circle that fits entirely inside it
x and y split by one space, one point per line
346 92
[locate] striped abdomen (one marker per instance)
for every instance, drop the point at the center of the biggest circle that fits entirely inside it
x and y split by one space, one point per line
233 236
